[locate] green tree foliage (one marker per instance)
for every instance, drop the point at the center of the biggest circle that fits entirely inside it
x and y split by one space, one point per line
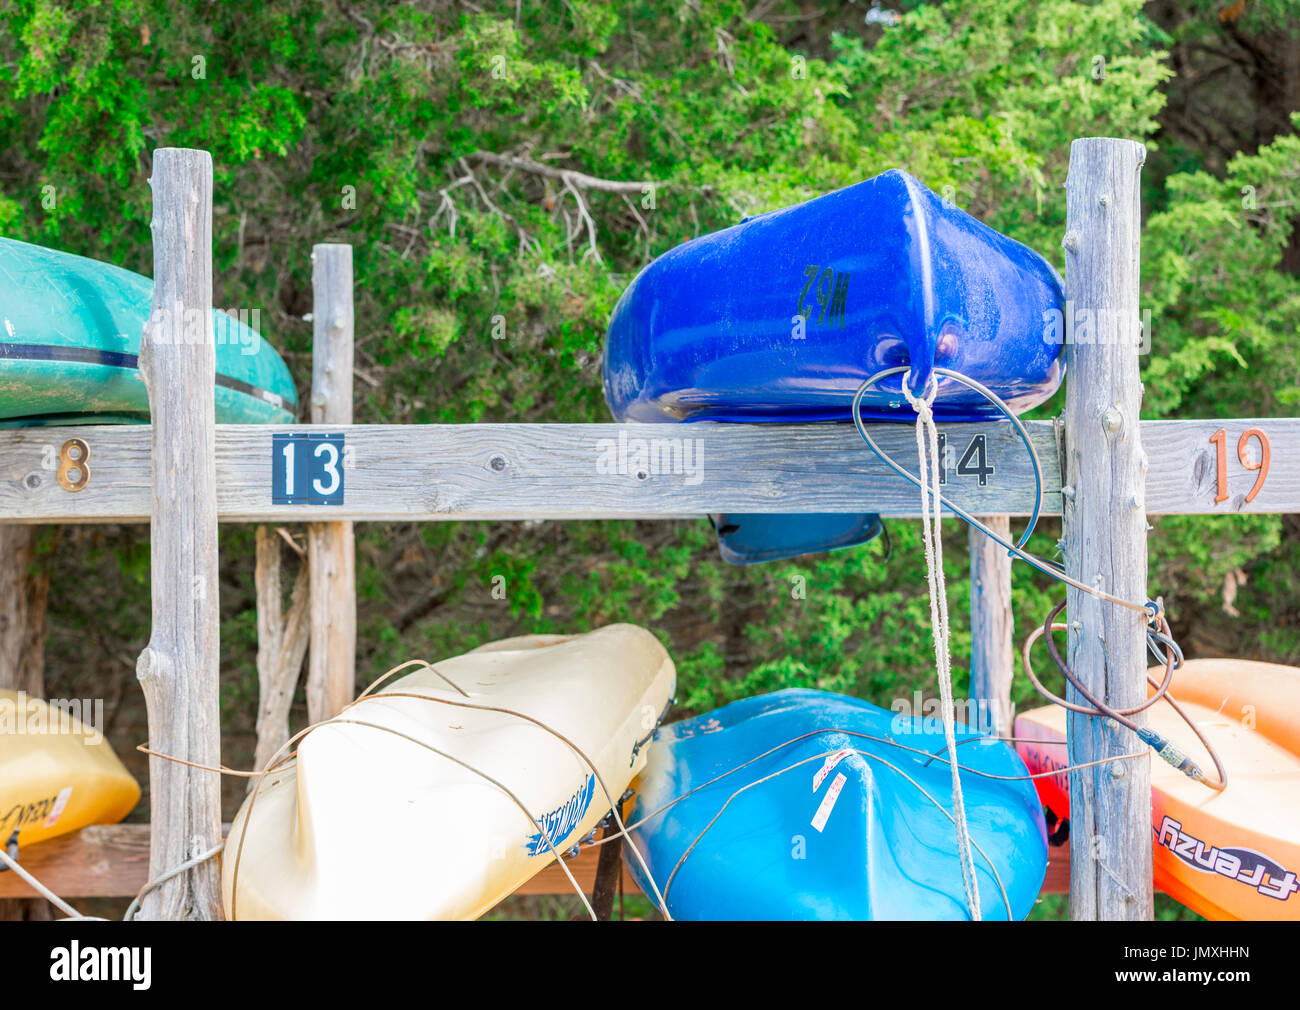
435 138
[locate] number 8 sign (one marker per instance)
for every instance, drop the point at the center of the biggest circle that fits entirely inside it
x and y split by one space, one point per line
306 469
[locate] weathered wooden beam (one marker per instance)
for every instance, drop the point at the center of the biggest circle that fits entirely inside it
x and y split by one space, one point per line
178 669
560 471
112 861
1105 525
331 550
992 654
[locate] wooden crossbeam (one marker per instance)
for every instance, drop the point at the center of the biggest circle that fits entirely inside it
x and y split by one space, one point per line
593 471
112 861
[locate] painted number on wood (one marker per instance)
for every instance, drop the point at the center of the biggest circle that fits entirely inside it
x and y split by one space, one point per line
973 462
307 469
1260 465
74 465
830 291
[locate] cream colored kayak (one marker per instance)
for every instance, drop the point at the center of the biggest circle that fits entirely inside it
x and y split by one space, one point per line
369 823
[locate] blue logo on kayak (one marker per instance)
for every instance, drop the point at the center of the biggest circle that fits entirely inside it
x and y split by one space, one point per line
563 819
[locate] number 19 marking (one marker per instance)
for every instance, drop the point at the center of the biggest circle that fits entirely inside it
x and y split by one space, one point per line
1220 440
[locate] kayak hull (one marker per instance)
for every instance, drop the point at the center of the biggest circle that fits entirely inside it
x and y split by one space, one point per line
1229 855
751 538
831 834
70 331
57 772
399 809
783 316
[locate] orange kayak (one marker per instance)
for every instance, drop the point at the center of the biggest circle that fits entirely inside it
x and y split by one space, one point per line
1229 855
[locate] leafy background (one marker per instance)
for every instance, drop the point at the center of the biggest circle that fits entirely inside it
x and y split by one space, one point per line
729 108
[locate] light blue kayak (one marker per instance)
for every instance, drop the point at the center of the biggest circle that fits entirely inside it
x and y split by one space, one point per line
70 331
826 824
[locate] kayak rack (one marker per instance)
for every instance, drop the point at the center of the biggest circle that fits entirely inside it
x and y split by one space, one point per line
184 474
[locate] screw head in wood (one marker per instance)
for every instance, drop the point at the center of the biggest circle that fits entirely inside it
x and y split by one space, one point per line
33 481
497 463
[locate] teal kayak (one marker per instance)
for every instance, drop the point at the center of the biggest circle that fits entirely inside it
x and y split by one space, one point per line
70 331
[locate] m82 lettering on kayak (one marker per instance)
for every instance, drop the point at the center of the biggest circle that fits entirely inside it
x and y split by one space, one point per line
829 290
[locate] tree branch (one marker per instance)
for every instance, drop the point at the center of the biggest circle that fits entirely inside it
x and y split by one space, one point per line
567 176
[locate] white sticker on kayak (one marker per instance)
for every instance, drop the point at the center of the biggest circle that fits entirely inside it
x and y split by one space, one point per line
60 802
828 804
827 765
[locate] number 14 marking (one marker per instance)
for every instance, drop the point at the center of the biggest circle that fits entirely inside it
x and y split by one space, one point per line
973 462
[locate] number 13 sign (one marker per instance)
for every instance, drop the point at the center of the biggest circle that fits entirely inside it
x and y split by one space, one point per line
306 469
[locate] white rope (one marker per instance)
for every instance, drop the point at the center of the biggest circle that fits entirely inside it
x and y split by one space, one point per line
932 535
133 909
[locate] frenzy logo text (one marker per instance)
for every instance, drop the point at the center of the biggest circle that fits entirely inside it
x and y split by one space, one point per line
1243 865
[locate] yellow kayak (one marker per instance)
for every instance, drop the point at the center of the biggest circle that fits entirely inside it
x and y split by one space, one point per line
402 808
57 773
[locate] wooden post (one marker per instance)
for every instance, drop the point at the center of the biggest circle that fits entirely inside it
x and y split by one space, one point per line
992 655
23 593
281 646
178 669
331 554
1105 528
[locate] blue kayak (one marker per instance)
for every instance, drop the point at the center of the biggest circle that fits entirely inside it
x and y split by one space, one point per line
70 331
782 317
750 538
841 834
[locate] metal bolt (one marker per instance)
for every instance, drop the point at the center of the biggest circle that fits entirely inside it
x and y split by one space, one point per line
497 463
33 481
